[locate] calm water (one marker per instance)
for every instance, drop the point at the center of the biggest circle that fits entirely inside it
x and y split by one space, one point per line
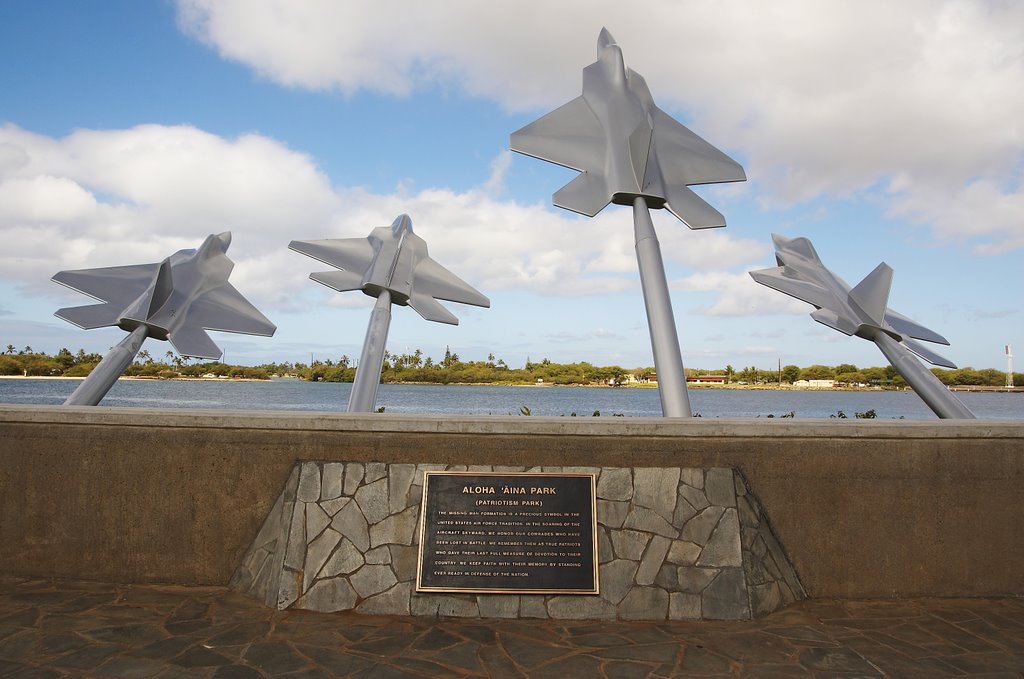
427 399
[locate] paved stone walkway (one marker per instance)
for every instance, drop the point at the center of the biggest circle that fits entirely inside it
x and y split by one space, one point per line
100 630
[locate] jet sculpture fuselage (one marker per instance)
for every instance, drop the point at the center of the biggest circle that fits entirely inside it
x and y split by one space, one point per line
606 87
395 257
163 307
626 147
861 311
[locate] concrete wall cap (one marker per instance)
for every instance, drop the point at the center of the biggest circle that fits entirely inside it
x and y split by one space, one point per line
500 425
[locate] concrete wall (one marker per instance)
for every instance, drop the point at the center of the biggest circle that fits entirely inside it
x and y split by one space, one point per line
864 508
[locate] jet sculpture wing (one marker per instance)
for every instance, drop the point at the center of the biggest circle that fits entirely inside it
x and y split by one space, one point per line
351 257
432 282
222 309
354 254
116 287
806 291
570 136
685 159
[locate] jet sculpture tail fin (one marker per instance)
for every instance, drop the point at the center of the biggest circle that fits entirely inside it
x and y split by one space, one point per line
587 195
91 316
190 340
432 310
691 209
340 280
927 354
871 295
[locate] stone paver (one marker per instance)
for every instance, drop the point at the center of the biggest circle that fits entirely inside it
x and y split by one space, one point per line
69 629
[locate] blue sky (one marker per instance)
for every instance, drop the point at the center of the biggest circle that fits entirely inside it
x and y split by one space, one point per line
130 130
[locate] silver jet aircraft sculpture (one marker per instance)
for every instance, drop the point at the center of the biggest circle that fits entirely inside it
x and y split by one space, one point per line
176 300
392 265
630 152
863 311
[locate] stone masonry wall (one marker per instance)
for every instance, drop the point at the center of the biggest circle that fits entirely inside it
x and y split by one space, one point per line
673 543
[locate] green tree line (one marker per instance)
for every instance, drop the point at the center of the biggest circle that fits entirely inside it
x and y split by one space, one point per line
451 369
67 364
847 374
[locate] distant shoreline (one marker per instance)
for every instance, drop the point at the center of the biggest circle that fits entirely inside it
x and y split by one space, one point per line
737 387
137 377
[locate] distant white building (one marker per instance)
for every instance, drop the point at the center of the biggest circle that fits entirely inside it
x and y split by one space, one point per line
815 384
707 379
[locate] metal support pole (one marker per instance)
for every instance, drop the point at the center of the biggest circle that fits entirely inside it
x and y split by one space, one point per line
668 363
364 390
926 385
94 387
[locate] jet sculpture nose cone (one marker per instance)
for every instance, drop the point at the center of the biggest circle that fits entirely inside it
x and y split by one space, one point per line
604 39
402 223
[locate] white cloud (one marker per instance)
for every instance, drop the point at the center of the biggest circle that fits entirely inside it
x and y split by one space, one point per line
104 198
396 47
12 157
921 98
984 211
116 197
738 295
43 199
707 249
499 168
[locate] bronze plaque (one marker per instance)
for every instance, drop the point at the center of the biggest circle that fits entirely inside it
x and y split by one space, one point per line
508 533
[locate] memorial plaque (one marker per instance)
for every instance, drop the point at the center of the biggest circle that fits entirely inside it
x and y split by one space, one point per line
508 533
